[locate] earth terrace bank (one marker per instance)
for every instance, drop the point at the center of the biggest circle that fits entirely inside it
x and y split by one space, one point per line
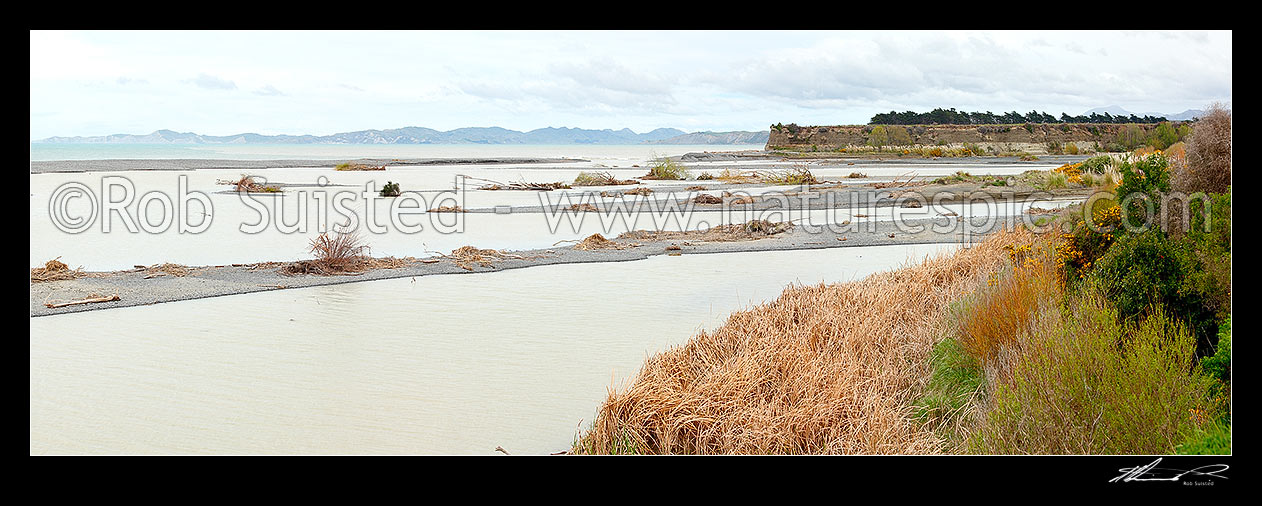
1032 138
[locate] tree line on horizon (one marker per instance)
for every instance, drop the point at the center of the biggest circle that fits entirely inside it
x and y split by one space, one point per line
951 116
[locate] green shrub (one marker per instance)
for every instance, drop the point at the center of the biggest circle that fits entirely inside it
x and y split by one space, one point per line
390 190
1097 164
1164 136
1218 365
1080 249
1212 440
1146 178
899 136
1131 136
1086 384
1147 271
878 137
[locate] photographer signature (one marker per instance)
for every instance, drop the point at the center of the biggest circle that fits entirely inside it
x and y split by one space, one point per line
1151 472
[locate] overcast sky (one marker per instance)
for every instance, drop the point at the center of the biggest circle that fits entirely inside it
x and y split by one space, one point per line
221 83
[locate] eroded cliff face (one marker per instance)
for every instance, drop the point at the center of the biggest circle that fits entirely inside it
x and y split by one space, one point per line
831 138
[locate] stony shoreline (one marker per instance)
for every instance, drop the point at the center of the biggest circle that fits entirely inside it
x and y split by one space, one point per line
134 289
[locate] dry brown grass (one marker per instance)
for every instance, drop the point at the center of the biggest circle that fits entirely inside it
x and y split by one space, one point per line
447 209
600 179
54 270
748 231
597 241
467 256
706 198
822 369
797 175
249 184
520 185
167 269
583 208
386 262
737 177
342 253
338 252
357 166
991 318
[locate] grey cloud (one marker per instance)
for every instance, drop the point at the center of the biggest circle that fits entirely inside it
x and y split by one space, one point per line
593 87
614 77
212 83
946 72
268 91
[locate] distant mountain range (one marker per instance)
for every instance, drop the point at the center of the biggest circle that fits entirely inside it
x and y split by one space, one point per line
1118 111
420 135
737 137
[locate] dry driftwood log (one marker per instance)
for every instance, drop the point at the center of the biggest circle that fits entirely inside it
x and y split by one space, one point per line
88 300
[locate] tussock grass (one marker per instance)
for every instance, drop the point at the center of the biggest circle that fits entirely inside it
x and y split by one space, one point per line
54 270
1055 180
797 175
600 179
167 269
706 198
597 241
822 369
338 252
665 168
341 253
386 262
734 176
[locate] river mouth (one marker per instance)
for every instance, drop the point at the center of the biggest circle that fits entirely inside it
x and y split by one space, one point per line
439 365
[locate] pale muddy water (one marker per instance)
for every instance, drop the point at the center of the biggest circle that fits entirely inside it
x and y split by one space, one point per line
453 364
148 231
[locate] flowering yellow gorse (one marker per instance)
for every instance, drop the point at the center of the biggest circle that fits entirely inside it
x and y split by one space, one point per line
1072 172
